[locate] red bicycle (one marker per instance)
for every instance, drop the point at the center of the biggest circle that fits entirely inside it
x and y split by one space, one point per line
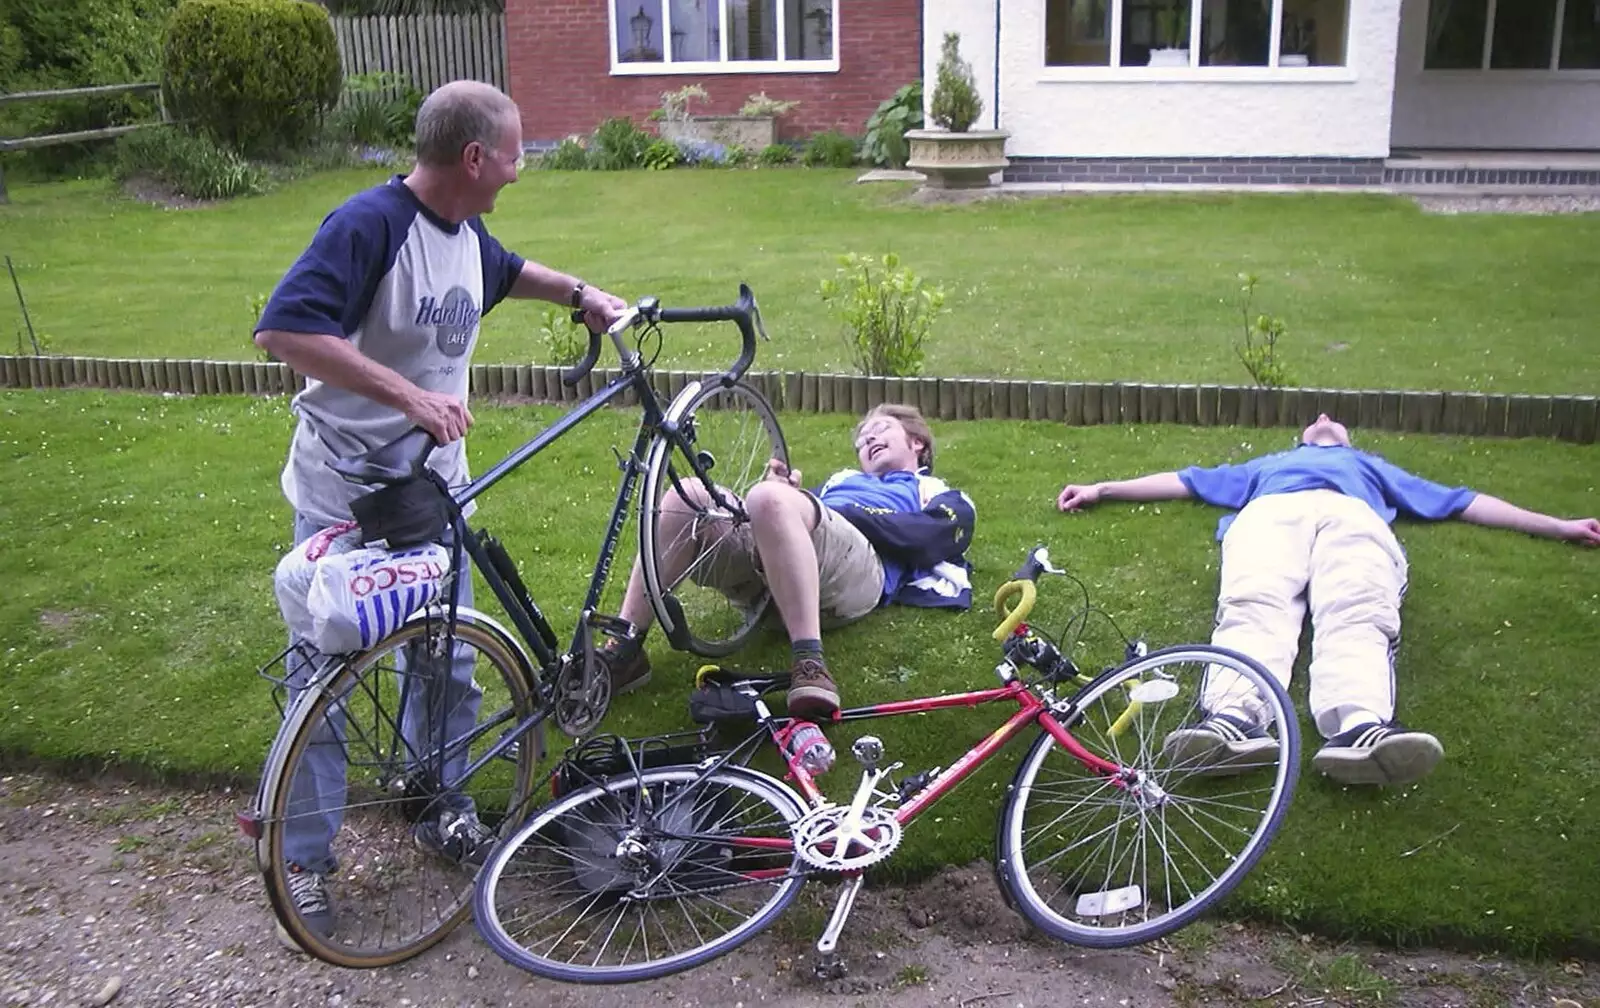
657 858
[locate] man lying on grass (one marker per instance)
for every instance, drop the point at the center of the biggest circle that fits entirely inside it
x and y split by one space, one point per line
1312 531
888 532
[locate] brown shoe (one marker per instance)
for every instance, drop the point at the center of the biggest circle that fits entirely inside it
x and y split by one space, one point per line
812 693
628 664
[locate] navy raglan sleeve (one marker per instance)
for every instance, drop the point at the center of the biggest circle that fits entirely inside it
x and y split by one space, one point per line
500 268
919 539
330 287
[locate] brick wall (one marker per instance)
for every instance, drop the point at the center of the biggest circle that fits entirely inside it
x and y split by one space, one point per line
559 71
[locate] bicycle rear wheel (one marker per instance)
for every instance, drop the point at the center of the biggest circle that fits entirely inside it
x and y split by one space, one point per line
695 550
346 782
642 876
1107 861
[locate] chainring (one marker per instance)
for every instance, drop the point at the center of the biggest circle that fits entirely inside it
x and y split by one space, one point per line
824 840
582 696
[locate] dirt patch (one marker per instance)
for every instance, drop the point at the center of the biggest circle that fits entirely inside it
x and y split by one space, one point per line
147 893
149 190
61 621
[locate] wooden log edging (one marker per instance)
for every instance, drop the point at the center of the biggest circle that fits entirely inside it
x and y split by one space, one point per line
1574 418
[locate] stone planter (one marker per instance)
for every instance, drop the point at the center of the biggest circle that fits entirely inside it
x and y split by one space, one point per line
957 160
753 133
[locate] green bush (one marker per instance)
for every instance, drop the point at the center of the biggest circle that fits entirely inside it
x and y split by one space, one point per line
887 311
568 155
1257 346
829 150
885 143
564 341
776 154
735 156
377 109
618 145
192 165
258 75
661 154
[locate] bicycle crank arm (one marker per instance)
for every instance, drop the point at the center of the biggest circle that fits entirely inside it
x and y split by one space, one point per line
841 912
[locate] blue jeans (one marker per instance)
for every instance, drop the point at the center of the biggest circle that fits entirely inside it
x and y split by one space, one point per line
317 793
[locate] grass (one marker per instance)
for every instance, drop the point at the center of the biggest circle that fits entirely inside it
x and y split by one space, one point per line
156 523
1375 293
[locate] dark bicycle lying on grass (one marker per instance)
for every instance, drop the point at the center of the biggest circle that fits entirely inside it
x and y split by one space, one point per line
659 855
409 740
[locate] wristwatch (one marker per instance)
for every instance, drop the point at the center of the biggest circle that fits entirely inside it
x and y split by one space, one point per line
577 293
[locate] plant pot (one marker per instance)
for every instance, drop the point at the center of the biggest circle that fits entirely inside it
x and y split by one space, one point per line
1168 58
753 133
951 160
1294 60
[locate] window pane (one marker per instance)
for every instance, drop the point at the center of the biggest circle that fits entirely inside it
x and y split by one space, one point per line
1077 33
1580 36
1524 30
1155 32
1313 29
808 29
638 31
752 29
1235 32
694 30
1455 34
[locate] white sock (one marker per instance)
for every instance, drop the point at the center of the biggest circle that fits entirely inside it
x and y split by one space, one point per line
1359 717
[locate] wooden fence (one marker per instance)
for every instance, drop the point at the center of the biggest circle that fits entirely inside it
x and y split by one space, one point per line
430 49
52 139
1567 418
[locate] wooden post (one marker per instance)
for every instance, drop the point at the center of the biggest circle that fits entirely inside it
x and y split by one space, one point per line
1149 403
1585 419
1093 405
1036 404
1207 403
1228 406
825 387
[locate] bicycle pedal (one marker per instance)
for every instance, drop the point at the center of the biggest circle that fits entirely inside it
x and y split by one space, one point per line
830 967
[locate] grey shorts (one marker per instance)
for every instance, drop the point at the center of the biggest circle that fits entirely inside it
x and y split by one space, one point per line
849 573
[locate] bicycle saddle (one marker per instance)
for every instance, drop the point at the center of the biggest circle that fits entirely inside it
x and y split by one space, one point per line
399 460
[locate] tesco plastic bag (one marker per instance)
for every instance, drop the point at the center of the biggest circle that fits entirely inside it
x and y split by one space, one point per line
291 582
359 597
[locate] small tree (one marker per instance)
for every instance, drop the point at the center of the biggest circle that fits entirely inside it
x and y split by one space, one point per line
887 311
1258 346
956 104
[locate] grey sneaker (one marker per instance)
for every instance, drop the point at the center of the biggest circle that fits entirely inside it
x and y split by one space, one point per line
308 891
459 837
1378 754
1220 745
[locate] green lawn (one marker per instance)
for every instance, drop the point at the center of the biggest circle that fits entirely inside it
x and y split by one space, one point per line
142 533
1086 288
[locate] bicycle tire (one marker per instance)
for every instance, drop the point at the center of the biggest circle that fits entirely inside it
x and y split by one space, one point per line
1118 908
694 614
391 898
568 863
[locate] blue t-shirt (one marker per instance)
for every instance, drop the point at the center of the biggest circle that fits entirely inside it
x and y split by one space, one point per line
1384 486
407 289
897 492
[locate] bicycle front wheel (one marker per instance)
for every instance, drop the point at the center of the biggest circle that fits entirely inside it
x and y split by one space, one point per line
1107 860
695 543
642 875
366 771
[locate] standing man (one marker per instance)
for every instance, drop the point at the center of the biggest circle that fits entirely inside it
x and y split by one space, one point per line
381 313
1312 530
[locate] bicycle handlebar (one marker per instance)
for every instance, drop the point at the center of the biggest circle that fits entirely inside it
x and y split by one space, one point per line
1024 583
744 313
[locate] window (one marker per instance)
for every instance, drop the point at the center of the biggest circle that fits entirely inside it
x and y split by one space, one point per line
659 36
1513 35
1195 33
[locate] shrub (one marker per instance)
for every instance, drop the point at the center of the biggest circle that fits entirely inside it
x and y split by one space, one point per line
661 155
193 165
829 150
886 310
259 75
568 155
885 143
1258 345
618 145
776 154
956 105
675 104
564 342
760 105
736 156
377 109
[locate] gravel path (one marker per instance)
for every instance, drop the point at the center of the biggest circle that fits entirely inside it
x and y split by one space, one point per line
135 895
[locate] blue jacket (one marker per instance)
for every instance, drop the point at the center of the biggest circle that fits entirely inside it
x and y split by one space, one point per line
922 547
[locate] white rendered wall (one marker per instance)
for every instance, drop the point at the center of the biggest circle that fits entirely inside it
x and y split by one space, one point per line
1493 109
1158 112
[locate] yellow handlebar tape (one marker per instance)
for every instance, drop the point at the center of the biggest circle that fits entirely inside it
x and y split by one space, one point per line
1028 590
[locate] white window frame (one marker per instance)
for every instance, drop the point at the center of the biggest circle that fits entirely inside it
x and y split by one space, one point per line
668 66
1272 73
1551 72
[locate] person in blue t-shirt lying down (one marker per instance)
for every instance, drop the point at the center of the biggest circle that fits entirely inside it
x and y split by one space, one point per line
888 532
1312 529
